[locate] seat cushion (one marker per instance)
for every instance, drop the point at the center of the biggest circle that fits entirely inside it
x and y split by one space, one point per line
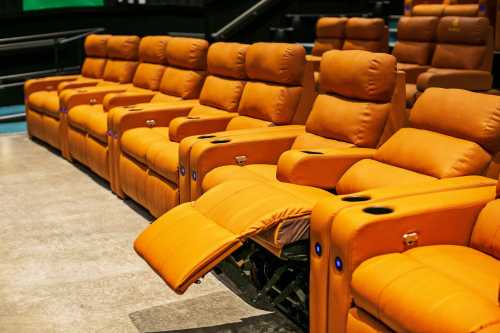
232 172
137 141
78 116
36 101
52 105
97 123
412 71
430 289
163 158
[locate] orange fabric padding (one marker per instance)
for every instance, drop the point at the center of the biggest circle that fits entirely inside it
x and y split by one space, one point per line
486 234
313 141
417 29
462 10
148 76
255 102
359 74
183 83
359 123
96 45
468 79
448 111
463 30
123 47
188 53
360 177
331 27
120 71
449 156
227 60
93 67
428 10
364 28
413 53
276 62
436 301
233 172
153 49
244 122
126 98
319 167
222 93
183 127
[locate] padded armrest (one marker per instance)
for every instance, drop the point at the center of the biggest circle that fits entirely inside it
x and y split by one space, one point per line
48 83
455 78
126 98
183 127
319 167
127 118
364 231
92 95
77 84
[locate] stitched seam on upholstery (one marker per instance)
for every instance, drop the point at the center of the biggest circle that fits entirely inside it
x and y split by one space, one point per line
485 326
192 54
240 68
279 105
371 80
460 163
364 118
492 124
283 65
378 305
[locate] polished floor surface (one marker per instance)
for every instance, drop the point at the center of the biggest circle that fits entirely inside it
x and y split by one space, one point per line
67 262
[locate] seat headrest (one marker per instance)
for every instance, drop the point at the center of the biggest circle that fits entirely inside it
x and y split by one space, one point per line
123 47
331 27
227 59
462 10
276 63
96 46
463 30
188 53
153 49
428 10
359 74
417 28
365 28
460 113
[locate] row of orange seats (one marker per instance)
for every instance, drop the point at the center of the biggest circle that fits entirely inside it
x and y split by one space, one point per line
231 145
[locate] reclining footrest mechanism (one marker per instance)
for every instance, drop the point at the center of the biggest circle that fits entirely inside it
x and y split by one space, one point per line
191 239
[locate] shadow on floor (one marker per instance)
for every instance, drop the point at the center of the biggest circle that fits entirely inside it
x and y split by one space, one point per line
220 312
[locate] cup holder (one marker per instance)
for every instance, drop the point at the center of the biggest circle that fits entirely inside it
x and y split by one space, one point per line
378 210
218 141
135 109
312 152
206 136
192 117
356 198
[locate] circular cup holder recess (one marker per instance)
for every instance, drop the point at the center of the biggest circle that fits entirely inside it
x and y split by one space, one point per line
220 141
378 210
312 152
206 136
356 198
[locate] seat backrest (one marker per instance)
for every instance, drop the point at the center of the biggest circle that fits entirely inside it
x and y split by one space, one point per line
330 34
123 52
273 93
368 34
96 49
356 100
453 133
415 39
463 43
152 60
225 81
486 232
186 69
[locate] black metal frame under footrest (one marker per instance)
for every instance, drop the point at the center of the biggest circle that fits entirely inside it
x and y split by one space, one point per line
268 282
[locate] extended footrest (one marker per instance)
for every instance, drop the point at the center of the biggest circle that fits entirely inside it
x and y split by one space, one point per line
191 239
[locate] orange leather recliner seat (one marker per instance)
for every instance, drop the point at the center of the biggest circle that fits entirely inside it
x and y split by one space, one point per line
462 57
276 73
345 124
449 8
426 263
41 95
454 133
414 49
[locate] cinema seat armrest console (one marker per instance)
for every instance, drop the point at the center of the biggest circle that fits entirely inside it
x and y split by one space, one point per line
183 127
91 96
125 119
76 84
319 167
365 231
126 98
47 84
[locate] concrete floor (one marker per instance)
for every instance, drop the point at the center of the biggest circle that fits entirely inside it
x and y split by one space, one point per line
67 262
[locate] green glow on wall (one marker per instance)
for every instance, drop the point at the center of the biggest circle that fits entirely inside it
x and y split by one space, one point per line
48 4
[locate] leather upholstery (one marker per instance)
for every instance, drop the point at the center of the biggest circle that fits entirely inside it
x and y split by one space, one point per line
330 34
368 34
